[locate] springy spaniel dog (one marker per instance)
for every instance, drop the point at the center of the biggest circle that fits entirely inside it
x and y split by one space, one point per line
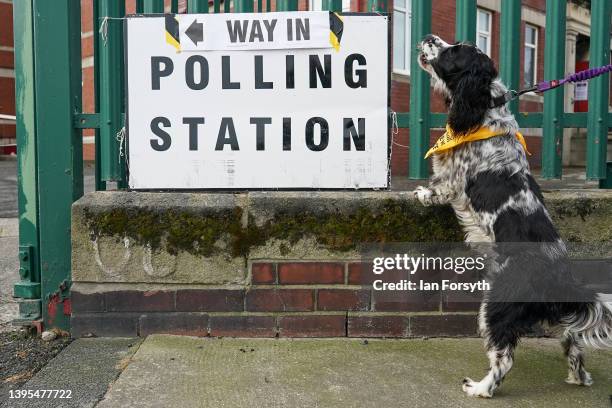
495 198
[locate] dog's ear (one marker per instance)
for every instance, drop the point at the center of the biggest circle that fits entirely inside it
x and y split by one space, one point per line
471 97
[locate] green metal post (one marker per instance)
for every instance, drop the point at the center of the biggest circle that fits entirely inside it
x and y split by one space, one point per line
246 6
29 285
226 6
100 184
173 6
153 6
380 6
198 6
110 90
465 29
597 123
509 50
139 6
554 68
285 5
332 5
419 93
57 45
607 181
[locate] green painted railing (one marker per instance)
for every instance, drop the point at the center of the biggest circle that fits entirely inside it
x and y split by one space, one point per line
419 116
553 119
50 118
599 88
50 165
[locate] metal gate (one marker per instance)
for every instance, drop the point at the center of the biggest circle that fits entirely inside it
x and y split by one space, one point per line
50 118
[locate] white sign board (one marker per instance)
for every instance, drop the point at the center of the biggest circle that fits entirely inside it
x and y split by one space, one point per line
278 109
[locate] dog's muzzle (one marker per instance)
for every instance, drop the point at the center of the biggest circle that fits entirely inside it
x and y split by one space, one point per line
428 49
423 59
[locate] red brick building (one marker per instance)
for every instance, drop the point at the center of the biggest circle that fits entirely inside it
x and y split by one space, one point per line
443 23
7 78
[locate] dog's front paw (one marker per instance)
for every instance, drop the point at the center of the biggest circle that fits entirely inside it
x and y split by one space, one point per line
424 195
475 389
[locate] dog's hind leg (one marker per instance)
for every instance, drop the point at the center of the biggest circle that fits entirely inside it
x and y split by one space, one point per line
572 348
500 361
500 344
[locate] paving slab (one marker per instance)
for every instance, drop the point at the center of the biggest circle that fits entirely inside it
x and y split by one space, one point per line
8 187
22 355
9 227
171 371
86 368
9 272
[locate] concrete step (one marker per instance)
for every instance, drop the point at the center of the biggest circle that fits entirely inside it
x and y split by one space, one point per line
191 372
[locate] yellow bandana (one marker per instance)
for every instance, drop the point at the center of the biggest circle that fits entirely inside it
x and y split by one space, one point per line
449 140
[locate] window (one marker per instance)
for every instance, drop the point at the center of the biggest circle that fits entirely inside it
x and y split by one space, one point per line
317 5
483 31
531 55
401 36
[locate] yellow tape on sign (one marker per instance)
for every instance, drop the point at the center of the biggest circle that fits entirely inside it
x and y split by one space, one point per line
172 32
336 26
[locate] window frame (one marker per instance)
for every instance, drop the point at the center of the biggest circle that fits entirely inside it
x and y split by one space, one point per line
407 10
534 46
487 34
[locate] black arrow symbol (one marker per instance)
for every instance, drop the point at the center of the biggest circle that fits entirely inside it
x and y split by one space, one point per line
195 32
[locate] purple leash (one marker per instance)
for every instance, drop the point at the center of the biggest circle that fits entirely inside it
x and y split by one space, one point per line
548 85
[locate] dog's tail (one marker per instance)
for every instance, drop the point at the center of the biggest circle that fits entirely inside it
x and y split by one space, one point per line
593 323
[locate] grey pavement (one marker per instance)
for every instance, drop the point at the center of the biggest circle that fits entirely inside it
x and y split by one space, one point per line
344 373
86 368
9 272
8 187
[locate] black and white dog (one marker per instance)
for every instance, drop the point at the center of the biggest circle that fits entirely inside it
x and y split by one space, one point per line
495 198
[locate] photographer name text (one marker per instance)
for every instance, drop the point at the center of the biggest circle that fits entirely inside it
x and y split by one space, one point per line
421 285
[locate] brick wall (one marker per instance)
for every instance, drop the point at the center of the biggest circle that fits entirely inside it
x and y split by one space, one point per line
283 299
287 264
7 78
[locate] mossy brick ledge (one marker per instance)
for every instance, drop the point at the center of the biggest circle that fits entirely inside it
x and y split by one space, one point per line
267 264
190 237
340 226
